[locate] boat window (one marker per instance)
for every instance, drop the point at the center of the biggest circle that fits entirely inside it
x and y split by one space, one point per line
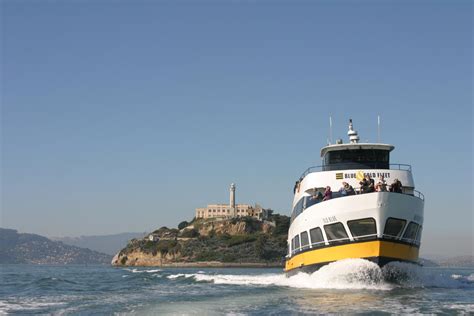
336 233
357 159
304 240
363 229
410 233
317 239
394 228
418 235
311 200
297 209
297 242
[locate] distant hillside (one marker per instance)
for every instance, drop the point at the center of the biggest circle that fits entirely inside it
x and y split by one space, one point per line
35 249
427 262
211 242
109 244
460 261
447 261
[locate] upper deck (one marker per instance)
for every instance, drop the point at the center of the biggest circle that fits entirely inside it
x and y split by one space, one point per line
348 164
355 155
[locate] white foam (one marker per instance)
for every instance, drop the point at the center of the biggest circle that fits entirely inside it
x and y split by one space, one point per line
465 308
464 278
470 277
26 305
345 274
181 275
142 271
410 275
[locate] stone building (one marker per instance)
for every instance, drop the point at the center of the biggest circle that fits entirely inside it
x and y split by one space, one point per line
231 210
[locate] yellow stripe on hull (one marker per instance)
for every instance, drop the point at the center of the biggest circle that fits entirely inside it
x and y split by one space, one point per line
369 249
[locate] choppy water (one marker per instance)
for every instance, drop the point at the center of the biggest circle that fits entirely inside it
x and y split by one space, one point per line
350 286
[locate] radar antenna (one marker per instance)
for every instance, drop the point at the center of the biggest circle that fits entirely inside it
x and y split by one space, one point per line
353 136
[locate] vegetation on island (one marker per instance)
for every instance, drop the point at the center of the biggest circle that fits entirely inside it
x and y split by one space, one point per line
236 240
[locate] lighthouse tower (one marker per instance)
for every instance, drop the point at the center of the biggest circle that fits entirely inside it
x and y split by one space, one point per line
232 201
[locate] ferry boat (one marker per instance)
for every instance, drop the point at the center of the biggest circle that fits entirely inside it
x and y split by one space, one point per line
381 225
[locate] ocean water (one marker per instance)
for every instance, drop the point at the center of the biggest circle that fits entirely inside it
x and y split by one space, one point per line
349 286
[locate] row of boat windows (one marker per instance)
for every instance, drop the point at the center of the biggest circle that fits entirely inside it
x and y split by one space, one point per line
357 159
225 210
360 229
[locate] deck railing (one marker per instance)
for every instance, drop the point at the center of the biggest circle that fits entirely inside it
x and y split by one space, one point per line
347 240
353 166
418 194
304 203
409 240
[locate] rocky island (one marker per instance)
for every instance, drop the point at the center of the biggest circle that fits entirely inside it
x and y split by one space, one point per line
223 242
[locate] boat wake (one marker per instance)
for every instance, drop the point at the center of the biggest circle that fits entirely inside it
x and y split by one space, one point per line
344 274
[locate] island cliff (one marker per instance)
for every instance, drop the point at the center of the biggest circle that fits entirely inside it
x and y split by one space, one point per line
242 242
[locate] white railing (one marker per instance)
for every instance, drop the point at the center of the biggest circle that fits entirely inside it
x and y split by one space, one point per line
364 236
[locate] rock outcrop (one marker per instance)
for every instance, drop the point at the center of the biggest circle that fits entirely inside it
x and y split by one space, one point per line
224 242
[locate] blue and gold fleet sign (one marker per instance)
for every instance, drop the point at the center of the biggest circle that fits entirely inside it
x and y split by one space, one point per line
359 175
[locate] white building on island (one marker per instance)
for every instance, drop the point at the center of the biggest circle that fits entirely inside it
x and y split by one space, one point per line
232 209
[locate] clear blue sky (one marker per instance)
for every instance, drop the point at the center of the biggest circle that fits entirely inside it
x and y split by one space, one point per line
127 115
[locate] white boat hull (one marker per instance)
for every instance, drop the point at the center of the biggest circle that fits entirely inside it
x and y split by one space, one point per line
378 247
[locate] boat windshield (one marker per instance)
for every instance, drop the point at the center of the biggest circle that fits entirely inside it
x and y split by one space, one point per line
356 159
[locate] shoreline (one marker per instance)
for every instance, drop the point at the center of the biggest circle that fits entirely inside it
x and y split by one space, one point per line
209 264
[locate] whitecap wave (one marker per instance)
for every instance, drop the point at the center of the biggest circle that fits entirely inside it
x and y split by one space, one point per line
468 309
142 271
344 274
470 277
26 305
463 278
409 275
181 275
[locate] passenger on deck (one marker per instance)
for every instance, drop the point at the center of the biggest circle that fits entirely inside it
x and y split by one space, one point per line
396 186
381 185
371 184
319 196
367 185
349 189
364 186
327 194
342 190
346 189
313 199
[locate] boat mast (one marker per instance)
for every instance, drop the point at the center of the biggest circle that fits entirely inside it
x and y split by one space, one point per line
353 136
